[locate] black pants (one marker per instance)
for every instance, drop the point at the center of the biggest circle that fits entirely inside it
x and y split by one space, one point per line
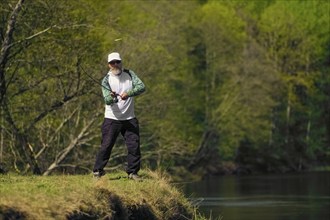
129 129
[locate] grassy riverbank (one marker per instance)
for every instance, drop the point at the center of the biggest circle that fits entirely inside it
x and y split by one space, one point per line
82 197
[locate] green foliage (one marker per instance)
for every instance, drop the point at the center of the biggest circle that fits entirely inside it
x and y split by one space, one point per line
295 33
254 74
44 79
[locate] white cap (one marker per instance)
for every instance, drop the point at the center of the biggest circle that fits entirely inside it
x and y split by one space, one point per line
113 56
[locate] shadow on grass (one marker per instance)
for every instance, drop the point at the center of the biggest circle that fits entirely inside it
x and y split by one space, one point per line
8 213
112 209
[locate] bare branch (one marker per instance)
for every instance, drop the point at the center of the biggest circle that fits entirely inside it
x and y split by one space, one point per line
24 89
75 142
15 158
9 33
52 108
32 36
46 30
56 132
5 47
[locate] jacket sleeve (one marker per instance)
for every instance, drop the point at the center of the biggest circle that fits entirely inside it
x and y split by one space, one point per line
106 91
138 85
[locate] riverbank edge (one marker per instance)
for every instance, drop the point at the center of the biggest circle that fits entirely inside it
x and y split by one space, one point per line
82 197
228 168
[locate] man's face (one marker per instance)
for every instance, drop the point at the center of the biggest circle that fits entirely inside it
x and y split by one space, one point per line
115 66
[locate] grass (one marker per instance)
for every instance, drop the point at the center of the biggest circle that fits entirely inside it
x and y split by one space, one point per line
321 168
82 197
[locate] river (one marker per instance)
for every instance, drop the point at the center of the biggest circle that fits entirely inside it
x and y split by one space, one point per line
301 196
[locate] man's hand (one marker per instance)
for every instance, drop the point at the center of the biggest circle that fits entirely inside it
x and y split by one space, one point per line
124 96
113 94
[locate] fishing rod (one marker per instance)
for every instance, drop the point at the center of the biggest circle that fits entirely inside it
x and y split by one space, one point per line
94 80
97 82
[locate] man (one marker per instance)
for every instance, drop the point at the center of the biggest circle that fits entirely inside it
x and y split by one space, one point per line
119 87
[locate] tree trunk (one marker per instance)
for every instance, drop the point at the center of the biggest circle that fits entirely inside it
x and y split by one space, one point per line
287 128
207 155
5 47
21 140
29 154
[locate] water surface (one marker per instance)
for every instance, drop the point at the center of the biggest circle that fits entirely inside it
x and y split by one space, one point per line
303 196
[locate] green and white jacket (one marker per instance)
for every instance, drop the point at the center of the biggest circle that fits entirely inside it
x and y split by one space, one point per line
127 82
138 86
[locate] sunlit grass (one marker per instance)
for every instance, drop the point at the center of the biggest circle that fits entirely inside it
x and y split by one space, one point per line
61 197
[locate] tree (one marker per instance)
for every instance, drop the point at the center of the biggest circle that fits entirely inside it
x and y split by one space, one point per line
295 34
236 78
41 76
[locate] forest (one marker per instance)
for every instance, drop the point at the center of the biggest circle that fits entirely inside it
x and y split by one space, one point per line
231 86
